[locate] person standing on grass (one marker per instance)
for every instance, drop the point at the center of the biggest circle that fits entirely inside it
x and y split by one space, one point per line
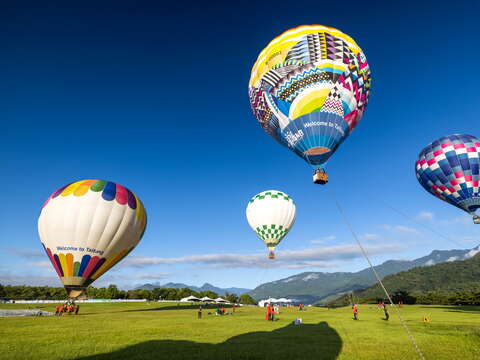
200 312
385 310
77 308
267 316
355 312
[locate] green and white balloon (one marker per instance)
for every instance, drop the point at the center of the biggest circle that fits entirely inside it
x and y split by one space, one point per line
271 214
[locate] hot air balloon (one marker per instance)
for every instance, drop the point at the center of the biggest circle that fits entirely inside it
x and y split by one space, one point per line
449 169
87 227
308 90
271 215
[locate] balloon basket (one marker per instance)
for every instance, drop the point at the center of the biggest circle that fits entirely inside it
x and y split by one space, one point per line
476 220
271 255
320 177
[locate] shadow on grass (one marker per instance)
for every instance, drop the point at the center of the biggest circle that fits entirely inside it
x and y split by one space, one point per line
460 308
306 341
180 307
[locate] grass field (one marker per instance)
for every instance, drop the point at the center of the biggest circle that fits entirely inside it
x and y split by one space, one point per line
165 331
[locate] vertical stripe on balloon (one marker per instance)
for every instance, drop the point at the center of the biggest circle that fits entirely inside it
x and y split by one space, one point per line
122 195
99 185
83 265
109 191
110 262
69 260
97 266
63 262
76 268
91 265
70 188
52 260
132 202
59 191
59 266
83 188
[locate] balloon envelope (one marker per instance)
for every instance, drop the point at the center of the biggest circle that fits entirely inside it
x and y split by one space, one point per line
87 227
271 214
449 169
309 88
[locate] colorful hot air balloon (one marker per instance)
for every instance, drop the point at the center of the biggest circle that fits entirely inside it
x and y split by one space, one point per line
308 90
87 227
271 215
449 169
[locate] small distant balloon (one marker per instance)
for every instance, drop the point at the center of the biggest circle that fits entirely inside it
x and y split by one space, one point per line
449 169
87 227
271 214
308 89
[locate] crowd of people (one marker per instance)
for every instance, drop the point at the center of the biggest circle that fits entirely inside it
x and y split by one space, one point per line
69 307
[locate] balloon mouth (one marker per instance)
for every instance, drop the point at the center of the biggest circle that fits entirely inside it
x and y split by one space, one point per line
271 255
319 150
76 286
76 292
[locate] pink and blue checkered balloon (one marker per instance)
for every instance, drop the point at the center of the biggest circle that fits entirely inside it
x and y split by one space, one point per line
449 169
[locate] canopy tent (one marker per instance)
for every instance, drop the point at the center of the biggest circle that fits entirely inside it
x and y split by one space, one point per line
262 303
207 299
219 300
284 301
189 299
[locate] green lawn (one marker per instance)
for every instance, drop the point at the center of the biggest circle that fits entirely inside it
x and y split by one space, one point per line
165 331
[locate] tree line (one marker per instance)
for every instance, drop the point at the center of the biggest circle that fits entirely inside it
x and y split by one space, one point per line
23 292
463 297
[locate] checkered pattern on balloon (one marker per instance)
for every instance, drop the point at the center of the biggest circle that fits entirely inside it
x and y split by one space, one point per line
309 89
449 169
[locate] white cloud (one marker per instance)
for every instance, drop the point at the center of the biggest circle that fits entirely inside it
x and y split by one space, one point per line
323 239
7 278
425 215
27 253
293 259
159 276
41 264
401 229
367 237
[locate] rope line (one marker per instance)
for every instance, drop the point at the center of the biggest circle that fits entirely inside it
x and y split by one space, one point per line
425 226
420 355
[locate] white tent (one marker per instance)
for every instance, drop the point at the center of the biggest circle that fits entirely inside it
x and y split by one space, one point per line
206 299
219 300
190 299
262 303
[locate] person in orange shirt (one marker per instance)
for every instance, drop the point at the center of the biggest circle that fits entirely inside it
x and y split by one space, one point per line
267 316
355 312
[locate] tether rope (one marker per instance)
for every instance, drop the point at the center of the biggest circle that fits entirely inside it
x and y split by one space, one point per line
425 226
410 335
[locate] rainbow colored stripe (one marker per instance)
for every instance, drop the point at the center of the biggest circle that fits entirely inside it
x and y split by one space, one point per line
91 267
110 191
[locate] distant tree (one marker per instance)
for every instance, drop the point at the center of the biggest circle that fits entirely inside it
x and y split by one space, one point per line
111 292
208 293
231 297
404 297
247 300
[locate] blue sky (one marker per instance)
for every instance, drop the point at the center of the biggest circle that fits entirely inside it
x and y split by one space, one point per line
155 98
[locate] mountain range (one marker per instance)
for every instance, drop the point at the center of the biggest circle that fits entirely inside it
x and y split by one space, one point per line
310 287
204 287
444 278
